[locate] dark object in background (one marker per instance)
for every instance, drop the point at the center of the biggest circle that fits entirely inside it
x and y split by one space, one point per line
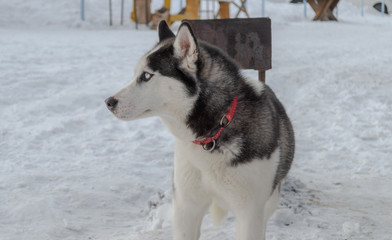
246 40
378 7
296 1
142 11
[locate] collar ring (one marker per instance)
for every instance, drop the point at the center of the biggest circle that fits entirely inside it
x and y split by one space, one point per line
209 146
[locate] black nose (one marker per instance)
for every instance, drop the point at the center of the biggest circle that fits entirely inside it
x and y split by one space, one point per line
111 102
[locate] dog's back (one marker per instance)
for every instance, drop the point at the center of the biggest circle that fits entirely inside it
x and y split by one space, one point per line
260 120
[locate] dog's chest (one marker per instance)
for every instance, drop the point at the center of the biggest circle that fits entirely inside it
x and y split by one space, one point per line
214 175
235 185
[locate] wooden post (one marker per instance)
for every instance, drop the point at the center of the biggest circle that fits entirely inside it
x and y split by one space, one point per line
323 9
192 9
262 76
224 9
141 12
314 5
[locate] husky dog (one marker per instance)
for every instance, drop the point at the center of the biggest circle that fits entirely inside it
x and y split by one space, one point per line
234 141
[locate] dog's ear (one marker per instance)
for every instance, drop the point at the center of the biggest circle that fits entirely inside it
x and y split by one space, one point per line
164 31
185 45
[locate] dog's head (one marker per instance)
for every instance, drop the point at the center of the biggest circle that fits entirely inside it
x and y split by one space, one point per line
164 82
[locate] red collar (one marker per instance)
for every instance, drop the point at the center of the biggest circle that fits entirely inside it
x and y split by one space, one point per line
225 121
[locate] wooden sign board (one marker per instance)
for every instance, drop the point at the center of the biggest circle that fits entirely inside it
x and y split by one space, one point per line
247 40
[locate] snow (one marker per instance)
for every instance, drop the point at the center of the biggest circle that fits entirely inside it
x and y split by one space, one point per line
70 170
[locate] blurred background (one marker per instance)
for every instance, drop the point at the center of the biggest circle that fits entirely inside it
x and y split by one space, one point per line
70 170
97 13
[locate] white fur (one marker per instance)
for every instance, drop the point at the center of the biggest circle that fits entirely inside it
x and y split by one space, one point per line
258 86
157 97
232 149
217 213
201 179
185 48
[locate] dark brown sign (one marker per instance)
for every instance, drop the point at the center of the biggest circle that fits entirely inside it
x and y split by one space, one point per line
247 40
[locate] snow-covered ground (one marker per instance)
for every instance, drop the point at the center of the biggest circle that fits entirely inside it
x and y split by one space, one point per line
70 170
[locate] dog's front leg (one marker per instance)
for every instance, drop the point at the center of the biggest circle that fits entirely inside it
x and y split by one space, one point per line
190 200
187 219
251 225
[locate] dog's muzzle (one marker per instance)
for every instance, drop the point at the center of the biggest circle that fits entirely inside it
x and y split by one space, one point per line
111 103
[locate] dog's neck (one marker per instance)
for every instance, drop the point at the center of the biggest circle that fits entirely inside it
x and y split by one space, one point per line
179 128
204 124
217 89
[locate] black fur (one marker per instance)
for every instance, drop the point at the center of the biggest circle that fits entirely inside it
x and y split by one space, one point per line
260 124
164 31
259 139
164 62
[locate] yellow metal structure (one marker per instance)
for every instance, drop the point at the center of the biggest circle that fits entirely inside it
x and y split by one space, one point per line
191 11
166 4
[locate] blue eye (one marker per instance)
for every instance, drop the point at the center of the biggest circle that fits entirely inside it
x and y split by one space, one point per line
146 76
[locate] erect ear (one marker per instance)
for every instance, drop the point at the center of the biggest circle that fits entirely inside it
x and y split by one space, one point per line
185 45
164 31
